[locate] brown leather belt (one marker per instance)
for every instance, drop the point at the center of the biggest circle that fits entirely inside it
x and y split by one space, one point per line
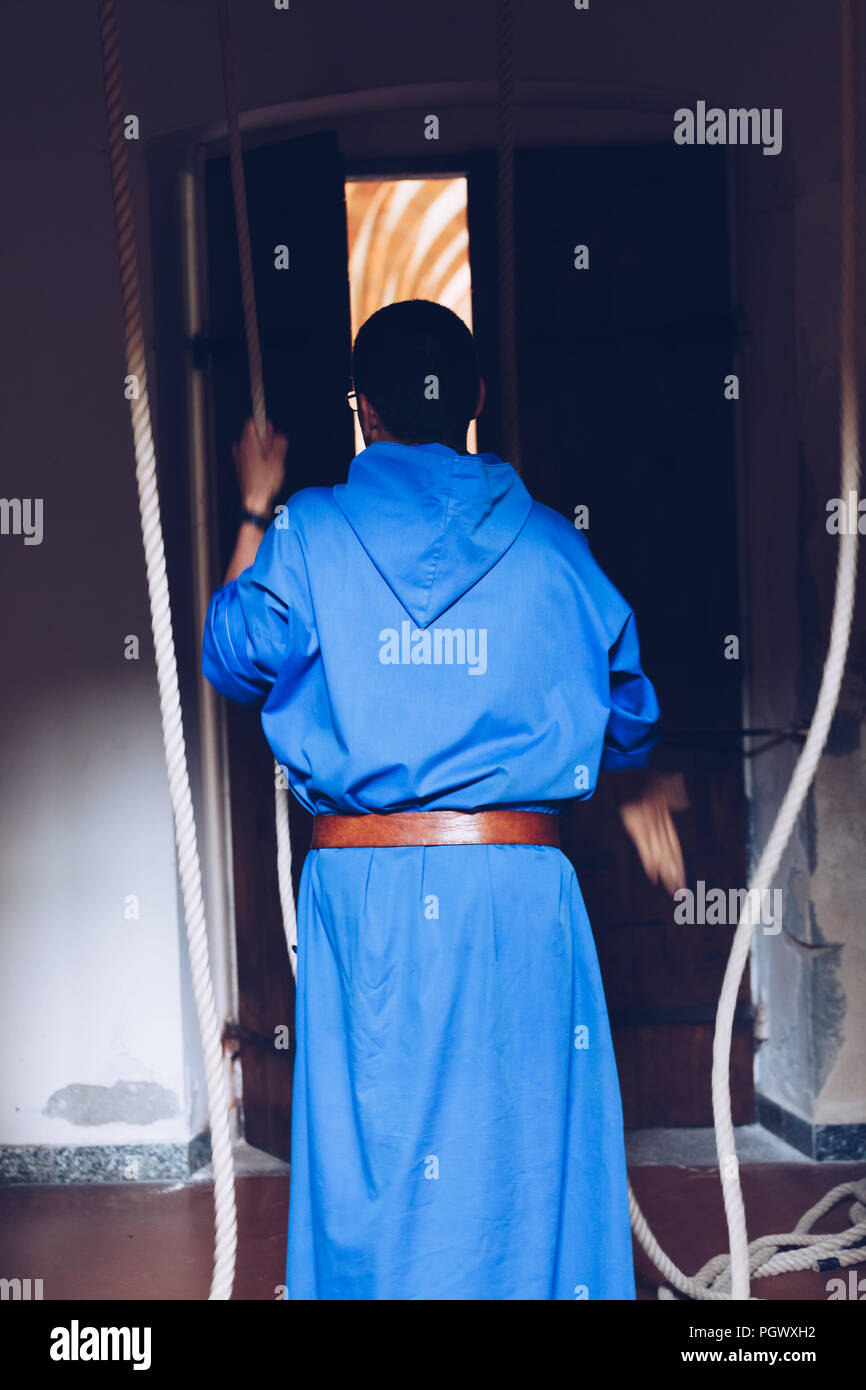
436 828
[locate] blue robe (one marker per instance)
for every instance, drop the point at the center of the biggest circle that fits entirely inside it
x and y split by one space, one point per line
427 637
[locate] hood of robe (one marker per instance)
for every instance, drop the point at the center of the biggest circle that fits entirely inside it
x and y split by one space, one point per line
433 522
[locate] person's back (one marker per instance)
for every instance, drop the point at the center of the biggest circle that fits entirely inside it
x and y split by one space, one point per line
435 614
429 639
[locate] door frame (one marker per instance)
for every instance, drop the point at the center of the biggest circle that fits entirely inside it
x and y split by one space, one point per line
179 268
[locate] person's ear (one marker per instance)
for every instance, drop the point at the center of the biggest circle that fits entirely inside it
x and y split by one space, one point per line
482 397
369 419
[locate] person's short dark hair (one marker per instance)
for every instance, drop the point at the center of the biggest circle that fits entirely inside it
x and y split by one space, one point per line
415 362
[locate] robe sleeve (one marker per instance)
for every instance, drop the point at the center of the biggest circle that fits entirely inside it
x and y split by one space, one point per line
632 728
258 622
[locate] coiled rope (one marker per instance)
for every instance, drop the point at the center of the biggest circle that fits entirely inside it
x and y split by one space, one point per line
768 1255
166 666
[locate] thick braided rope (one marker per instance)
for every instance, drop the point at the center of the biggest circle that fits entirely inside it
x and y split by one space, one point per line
505 235
769 1255
828 695
846 1248
257 391
166 668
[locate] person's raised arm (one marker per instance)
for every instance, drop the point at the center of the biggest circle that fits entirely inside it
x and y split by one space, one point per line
260 468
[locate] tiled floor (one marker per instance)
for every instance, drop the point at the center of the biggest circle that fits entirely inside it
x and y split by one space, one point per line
153 1240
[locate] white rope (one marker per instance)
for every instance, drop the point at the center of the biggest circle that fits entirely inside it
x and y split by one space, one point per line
768 1255
284 876
257 391
828 695
166 668
745 1259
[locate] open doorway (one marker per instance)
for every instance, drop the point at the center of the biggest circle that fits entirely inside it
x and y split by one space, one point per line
408 239
620 411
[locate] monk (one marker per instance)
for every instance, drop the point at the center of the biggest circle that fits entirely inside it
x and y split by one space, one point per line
442 667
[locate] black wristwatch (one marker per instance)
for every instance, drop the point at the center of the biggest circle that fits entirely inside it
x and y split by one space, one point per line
262 521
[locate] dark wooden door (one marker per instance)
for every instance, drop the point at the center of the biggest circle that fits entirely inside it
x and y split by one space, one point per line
295 197
622 410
